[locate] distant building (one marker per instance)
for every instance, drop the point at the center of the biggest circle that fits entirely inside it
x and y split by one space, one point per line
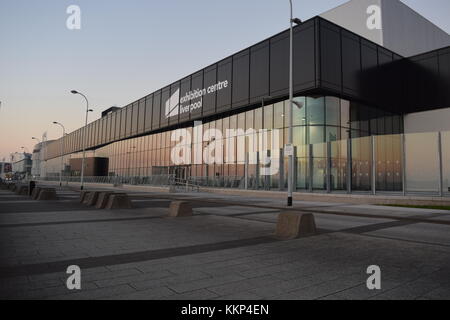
38 165
21 164
5 170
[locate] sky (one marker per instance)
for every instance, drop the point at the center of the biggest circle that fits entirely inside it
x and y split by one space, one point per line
124 51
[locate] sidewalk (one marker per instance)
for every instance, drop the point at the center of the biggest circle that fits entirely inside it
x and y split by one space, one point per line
226 251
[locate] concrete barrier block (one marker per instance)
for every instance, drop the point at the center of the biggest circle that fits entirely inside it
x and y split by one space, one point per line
292 225
118 201
47 194
91 198
180 209
17 188
23 190
103 199
35 193
83 195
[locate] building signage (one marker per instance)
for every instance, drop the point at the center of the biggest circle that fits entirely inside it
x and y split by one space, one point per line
192 100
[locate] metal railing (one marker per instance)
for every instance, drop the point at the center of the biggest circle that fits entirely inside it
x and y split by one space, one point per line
157 180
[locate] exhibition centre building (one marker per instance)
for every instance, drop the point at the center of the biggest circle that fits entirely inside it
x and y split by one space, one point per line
371 114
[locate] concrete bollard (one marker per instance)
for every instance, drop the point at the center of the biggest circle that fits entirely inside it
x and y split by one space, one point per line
102 200
83 195
23 190
91 198
118 201
47 194
180 209
17 189
292 225
35 193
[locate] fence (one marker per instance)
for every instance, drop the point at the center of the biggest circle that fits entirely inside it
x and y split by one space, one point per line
403 164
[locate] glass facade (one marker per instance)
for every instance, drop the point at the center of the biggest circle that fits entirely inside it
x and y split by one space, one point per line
333 138
321 120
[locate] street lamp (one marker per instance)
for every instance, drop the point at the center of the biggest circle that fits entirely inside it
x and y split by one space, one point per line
83 135
33 138
292 21
62 151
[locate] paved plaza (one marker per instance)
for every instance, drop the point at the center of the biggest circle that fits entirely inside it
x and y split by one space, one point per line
226 251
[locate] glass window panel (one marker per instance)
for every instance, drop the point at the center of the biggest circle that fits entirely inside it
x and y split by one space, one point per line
268 117
148 112
303 166
332 134
354 116
129 120
333 111
422 165
315 109
233 122
345 113
258 118
389 164
249 120
361 163
299 136
123 117
338 165
319 166
316 134
299 111
241 121
278 122
141 118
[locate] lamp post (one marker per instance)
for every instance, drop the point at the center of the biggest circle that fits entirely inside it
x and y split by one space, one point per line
62 151
83 135
291 104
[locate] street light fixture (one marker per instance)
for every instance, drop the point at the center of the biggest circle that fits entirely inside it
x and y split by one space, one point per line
292 21
33 138
62 151
83 135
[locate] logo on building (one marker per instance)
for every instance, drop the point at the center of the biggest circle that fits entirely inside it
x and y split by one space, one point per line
173 105
191 101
